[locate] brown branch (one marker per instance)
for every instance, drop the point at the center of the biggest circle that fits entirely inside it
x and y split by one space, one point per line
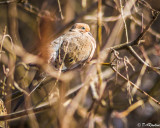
136 42
99 44
147 5
12 22
150 30
129 109
135 86
9 1
19 114
131 50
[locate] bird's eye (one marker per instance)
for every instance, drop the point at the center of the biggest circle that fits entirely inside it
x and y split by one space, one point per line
70 59
83 28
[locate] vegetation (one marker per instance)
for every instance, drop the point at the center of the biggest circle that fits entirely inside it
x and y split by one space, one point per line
118 88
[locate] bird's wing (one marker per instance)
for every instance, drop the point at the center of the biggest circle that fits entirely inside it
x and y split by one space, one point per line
93 43
54 47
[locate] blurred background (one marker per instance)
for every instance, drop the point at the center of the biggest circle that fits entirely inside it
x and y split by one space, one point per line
95 96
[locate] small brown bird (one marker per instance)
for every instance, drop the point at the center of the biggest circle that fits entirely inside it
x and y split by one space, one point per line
72 49
68 51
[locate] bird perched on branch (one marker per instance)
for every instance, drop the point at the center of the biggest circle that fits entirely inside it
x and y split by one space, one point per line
72 49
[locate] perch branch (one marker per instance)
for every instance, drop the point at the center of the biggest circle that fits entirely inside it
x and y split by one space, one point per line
25 112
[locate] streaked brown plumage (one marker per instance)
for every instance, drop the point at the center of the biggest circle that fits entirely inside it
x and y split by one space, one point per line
72 49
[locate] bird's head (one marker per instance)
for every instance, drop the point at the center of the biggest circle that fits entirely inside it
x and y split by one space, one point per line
81 27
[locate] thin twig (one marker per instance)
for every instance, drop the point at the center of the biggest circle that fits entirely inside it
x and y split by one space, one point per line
135 86
147 5
150 30
60 10
20 89
99 35
19 114
136 42
125 25
8 1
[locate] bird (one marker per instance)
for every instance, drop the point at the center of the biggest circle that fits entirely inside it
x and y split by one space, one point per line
72 49
68 51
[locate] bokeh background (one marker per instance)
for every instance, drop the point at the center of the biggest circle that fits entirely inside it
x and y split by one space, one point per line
95 96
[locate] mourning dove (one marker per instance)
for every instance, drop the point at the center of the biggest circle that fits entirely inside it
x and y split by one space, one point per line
72 49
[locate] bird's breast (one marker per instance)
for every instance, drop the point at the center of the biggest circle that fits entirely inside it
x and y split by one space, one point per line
75 49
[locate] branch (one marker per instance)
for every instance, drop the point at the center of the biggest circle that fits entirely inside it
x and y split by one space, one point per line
136 42
19 114
135 86
147 5
8 1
